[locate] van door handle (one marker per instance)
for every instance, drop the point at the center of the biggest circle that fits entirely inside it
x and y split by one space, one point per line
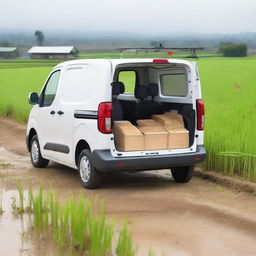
60 112
52 112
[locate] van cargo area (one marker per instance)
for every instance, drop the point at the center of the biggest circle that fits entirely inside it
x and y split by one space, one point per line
153 108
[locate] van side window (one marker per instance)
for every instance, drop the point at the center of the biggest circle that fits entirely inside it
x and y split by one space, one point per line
174 84
78 85
50 89
129 80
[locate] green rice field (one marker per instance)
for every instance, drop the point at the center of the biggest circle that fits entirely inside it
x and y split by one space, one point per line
228 87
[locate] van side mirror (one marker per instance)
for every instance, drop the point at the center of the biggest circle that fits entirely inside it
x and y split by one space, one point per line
33 98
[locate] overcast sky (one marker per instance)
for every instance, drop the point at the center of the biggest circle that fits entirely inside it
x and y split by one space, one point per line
136 16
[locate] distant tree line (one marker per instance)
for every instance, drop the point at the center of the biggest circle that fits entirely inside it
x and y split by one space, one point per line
228 49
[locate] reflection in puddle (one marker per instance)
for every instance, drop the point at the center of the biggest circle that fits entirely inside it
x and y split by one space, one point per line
13 228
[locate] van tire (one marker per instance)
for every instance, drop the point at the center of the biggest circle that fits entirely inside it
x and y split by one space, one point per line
89 176
35 154
182 174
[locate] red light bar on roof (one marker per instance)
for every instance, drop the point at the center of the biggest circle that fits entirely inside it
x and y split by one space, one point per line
160 61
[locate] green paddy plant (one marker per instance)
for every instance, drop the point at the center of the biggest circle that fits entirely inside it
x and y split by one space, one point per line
125 245
151 253
101 236
20 208
80 219
40 211
228 87
73 226
31 200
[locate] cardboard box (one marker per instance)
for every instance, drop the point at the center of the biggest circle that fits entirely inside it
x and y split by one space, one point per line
175 115
148 123
122 123
168 122
178 138
127 137
155 137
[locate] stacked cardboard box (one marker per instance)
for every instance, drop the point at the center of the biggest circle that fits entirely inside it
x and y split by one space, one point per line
176 116
127 136
148 123
178 136
171 119
155 137
164 131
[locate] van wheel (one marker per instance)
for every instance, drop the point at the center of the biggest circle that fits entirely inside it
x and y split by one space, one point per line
35 154
182 174
89 176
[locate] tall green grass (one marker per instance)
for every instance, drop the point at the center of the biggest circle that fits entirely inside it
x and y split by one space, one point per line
125 245
73 225
21 197
229 86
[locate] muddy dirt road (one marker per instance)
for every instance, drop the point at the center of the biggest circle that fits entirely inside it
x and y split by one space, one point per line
199 218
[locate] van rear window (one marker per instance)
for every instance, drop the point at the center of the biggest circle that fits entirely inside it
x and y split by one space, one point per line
129 80
174 84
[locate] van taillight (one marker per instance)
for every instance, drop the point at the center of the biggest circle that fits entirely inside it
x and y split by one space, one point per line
105 117
200 114
160 61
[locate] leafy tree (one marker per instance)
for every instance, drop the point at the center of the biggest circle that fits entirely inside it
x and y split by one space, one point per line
39 37
233 50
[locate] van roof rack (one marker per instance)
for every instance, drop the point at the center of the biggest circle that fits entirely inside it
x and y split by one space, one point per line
192 50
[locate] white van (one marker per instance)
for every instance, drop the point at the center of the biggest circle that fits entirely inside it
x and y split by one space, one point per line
72 118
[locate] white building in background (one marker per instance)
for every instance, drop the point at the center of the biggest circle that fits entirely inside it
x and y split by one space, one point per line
53 52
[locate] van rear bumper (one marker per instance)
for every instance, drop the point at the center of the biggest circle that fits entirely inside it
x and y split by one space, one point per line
105 162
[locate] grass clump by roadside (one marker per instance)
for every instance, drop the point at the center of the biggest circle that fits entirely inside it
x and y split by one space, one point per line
125 244
73 226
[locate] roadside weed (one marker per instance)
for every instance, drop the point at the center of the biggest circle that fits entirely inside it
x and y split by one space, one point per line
73 226
20 188
125 245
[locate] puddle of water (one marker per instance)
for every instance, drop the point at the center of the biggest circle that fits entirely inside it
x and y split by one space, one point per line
16 160
13 228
